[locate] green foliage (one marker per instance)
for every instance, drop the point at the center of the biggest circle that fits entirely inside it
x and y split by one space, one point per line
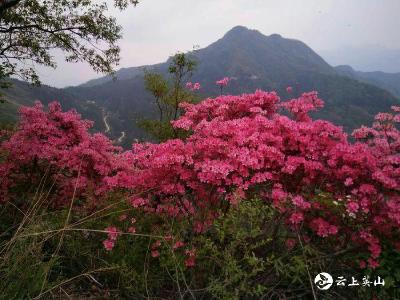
168 93
246 256
234 250
243 256
161 131
81 29
67 259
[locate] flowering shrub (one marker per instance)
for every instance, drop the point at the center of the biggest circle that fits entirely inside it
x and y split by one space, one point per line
237 148
242 146
58 145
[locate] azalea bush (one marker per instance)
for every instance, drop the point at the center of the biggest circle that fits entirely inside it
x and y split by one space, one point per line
55 148
318 198
326 187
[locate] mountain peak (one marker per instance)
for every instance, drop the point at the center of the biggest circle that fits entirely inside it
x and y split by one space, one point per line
241 31
275 36
238 29
248 51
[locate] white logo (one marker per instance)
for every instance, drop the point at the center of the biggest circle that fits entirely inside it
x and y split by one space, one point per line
323 281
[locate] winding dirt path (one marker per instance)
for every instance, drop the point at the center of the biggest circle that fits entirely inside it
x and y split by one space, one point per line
121 138
105 116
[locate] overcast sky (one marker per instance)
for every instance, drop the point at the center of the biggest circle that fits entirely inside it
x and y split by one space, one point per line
156 29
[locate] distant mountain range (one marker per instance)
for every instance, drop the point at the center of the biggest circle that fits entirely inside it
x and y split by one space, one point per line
366 58
253 61
387 81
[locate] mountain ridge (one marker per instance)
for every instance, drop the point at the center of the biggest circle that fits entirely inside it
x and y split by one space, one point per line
385 80
233 36
253 61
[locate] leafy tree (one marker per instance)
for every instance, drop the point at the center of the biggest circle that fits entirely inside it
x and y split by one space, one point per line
82 29
168 94
181 68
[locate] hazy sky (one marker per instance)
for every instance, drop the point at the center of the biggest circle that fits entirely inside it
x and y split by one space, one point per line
156 29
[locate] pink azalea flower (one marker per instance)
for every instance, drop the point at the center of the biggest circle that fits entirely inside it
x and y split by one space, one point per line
155 253
323 228
296 218
108 245
178 244
348 181
193 86
196 86
299 202
372 263
290 243
223 82
352 207
137 202
190 262
112 232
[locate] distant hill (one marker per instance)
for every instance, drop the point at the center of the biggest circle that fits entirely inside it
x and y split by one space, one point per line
22 93
387 81
122 74
367 58
253 61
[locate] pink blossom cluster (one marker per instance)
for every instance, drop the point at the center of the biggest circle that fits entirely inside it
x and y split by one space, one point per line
57 146
178 245
193 86
190 260
154 248
113 234
222 82
242 146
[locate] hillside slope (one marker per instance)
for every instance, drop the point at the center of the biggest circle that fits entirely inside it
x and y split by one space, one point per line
22 93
